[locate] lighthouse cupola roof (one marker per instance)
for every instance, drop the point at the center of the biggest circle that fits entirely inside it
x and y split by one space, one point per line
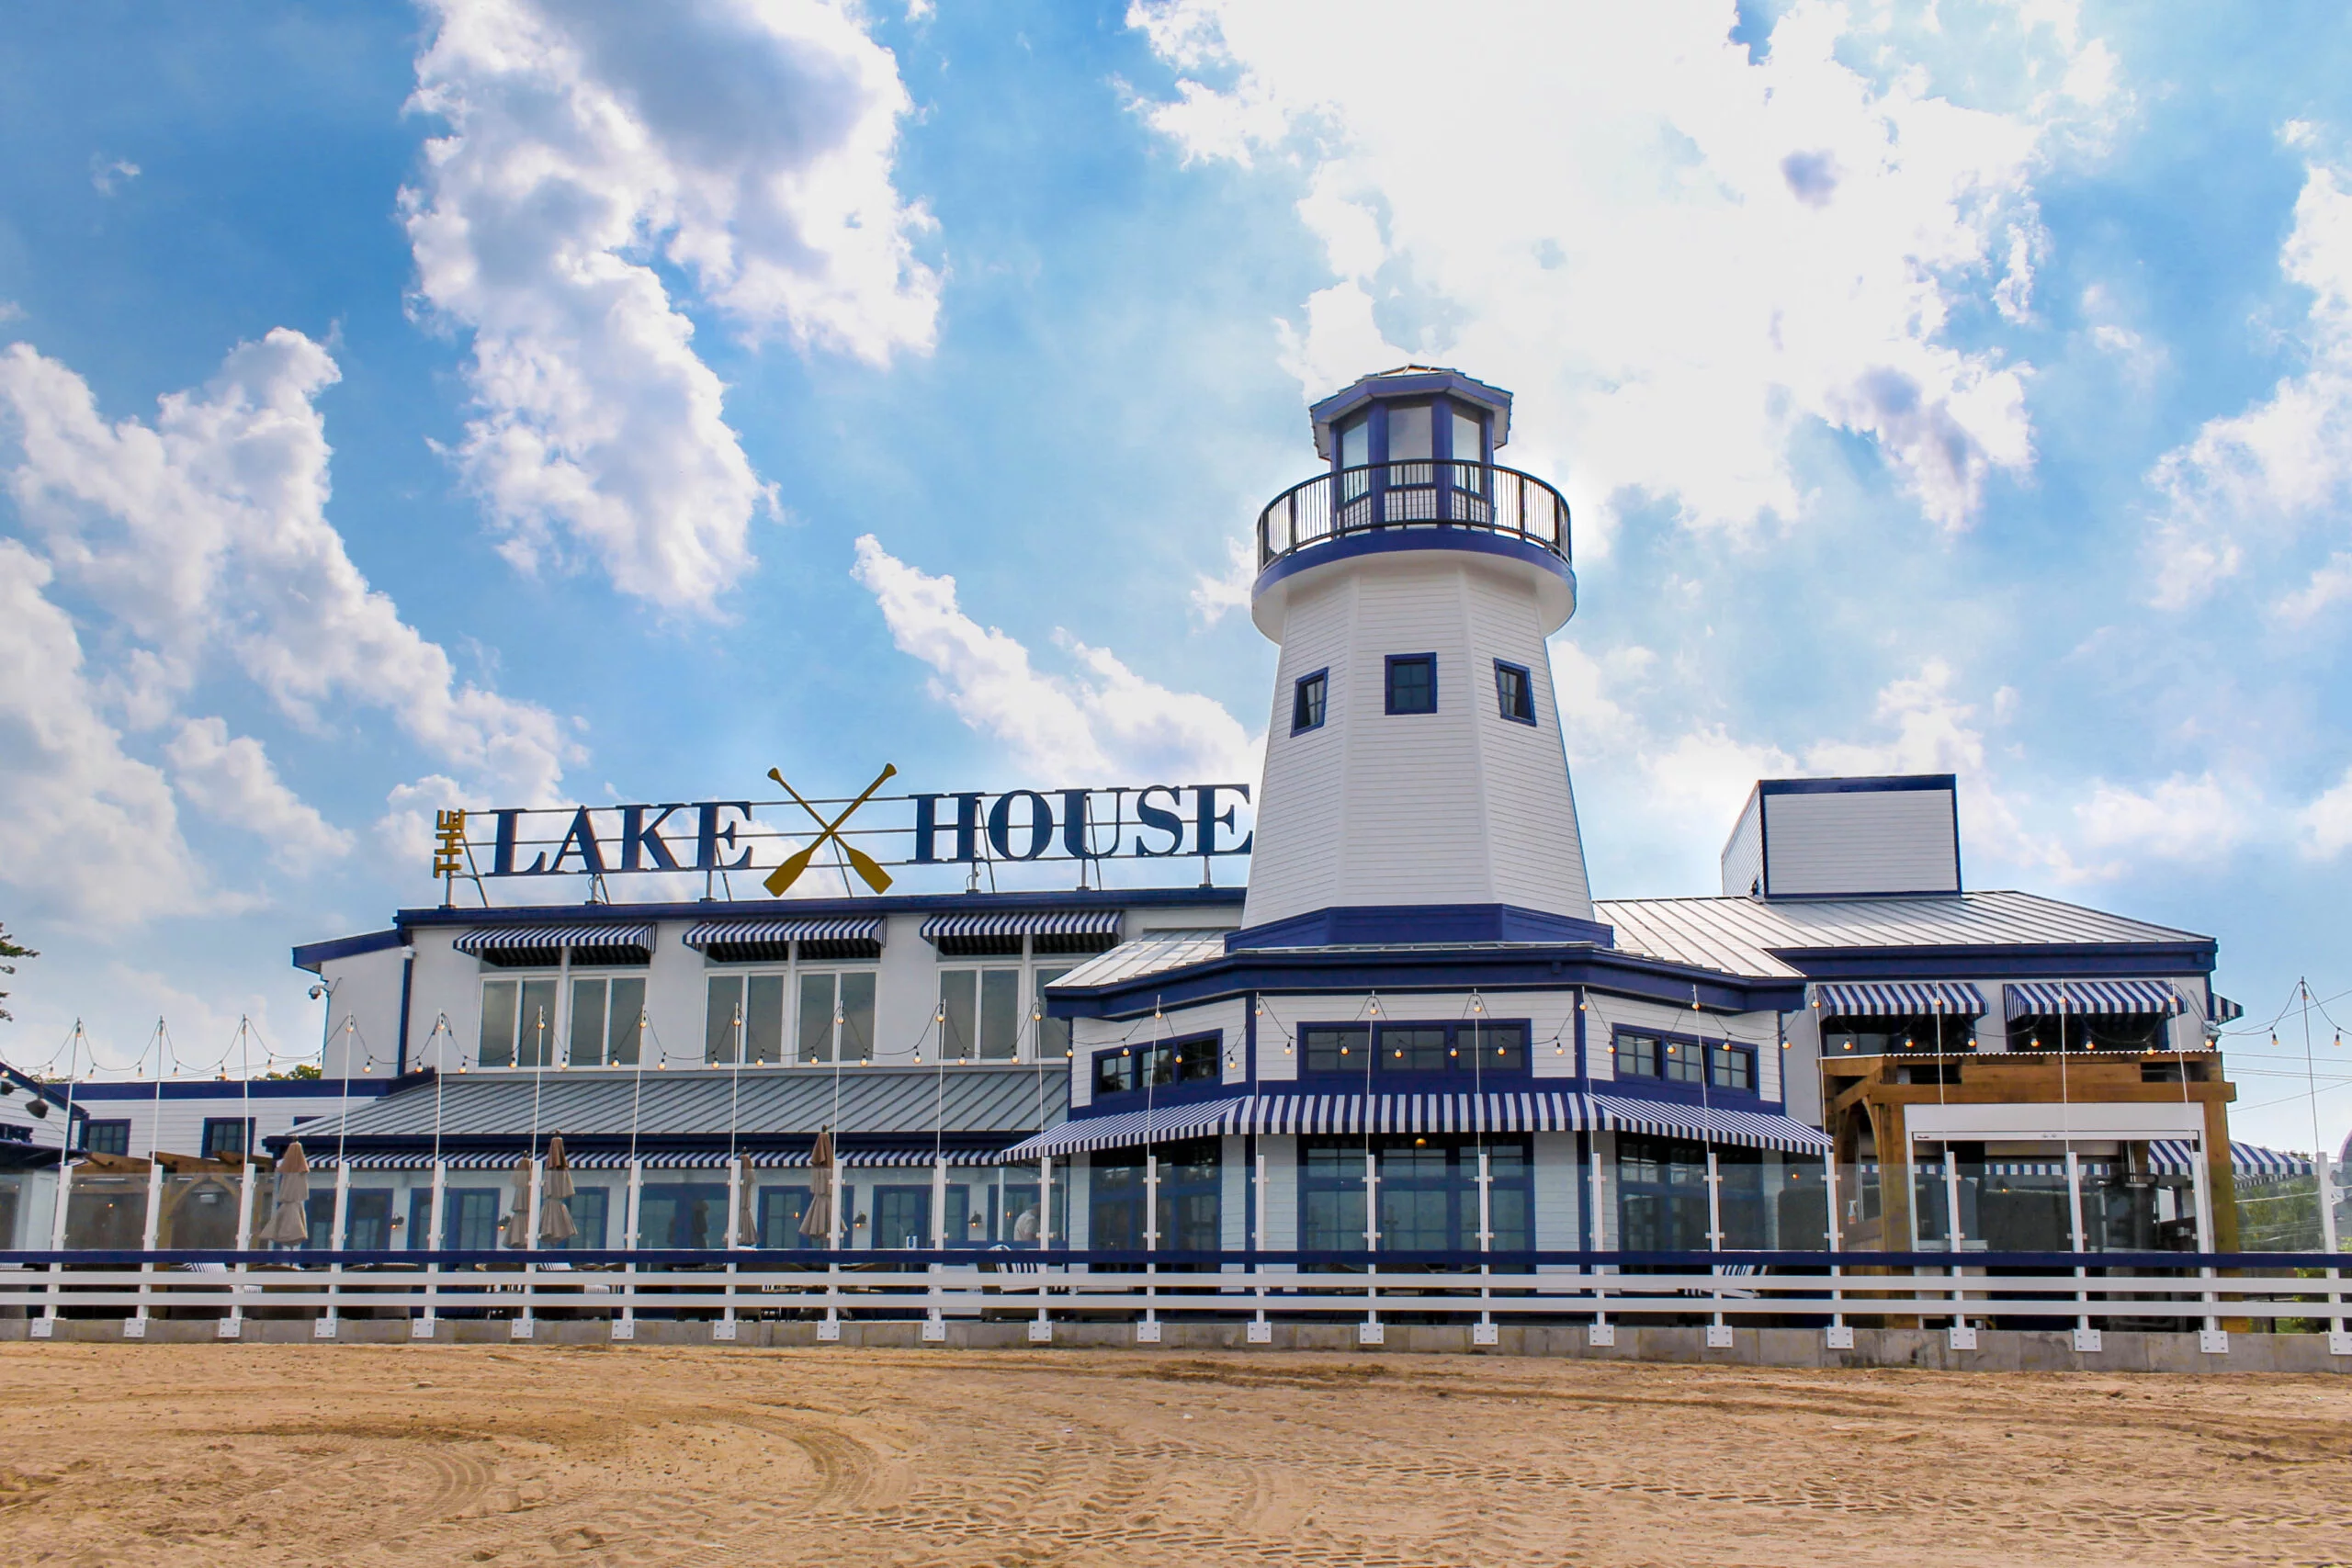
1412 384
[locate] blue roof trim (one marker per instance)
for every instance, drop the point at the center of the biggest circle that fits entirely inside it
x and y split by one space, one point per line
311 955
1407 381
1527 967
1885 784
800 908
1357 543
1361 924
256 1088
1998 961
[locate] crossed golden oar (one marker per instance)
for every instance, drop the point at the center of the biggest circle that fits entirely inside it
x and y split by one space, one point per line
864 865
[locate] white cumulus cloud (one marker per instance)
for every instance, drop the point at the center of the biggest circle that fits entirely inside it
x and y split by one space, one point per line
2251 484
594 149
1676 254
206 532
2176 819
1101 720
85 828
230 779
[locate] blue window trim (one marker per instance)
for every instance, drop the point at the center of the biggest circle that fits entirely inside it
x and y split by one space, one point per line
1526 688
110 1126
1388 685
1754 1091
1165 1094
1451 1076
1298 688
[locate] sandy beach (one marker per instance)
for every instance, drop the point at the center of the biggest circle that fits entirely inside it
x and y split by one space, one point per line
300 1454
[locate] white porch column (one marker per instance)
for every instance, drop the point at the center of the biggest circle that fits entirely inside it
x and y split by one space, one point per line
1603 1332
625 1325
232 1325
1042 1331
422 1327
1841 1334
1718 1332
1147 1331
135 1326
2339 1343
47 1325
2212 1339
935 1325
1483 1331
1962 1336
1370 1331
525 1323
725 1327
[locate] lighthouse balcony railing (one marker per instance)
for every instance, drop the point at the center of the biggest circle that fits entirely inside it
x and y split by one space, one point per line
1420 494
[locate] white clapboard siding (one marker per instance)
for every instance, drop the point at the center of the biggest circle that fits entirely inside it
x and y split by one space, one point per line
1860 841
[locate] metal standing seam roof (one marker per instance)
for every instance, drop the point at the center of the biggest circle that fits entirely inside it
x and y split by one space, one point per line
1147 954
716 933
1737 934
695 1103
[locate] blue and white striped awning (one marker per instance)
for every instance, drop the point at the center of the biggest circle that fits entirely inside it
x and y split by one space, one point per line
2077 997
1708 1124
2219 1009
510 939
743 933
1132 1129
713 1161
1022 922
1899 998
1434 1112
2249 1162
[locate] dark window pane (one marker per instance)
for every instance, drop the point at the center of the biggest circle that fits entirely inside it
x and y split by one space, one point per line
1636 1056
537 1029
1196 1062
1114 1073
1412 685
1412 1050
1307 703
1408 434
1513 694
726 1000
1681 1063
110 1137
1335 1050
1490 1048
1731 1067
627 1021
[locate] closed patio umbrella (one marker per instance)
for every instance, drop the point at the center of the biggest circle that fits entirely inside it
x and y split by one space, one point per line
516 1231
747 1216
555 1196
817 1222
289 1214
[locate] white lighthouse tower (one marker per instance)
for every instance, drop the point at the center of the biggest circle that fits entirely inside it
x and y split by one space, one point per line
1416 785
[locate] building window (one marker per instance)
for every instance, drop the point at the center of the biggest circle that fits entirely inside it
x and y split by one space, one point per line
1190 1190
110 1137
1307 702
979 1014
227 1135
836 1021
1164 1064
606 1018
1412 682
2090 1032
518 1022
1458 1049
1679 1061
1053 1033
1429 1194
1661 1195
1514 693
1884 1036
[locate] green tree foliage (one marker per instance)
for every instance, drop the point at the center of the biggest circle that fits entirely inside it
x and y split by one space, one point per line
10 949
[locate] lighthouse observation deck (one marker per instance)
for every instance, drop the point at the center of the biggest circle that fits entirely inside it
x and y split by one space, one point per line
1415 494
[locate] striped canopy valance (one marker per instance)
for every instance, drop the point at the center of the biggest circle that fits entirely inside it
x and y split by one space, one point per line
711 934
1899 998
1708 1124
2219 1009
1022 922
2160 997
521 939
2249 1162
708 1160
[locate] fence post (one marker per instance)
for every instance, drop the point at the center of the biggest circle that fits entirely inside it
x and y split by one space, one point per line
2088 1339
422 1328
135 1326
1718 1332
1483 1332
934 1324
1370 1331
2339 1343
233 1326
625 1325
326 1327
1042 1331
2212 1339
1841 1333
1261 1331
1602 1333
725 1327
1147 1331
1962 1336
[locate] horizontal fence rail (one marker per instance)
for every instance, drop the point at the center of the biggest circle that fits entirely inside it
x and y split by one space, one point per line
1415 495
1827 1290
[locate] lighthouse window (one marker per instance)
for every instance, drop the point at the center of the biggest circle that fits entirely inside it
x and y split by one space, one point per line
1515 692
1408 435
1412 682
1307 702
1469 439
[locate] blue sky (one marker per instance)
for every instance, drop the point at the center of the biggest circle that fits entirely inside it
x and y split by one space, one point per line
485 402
